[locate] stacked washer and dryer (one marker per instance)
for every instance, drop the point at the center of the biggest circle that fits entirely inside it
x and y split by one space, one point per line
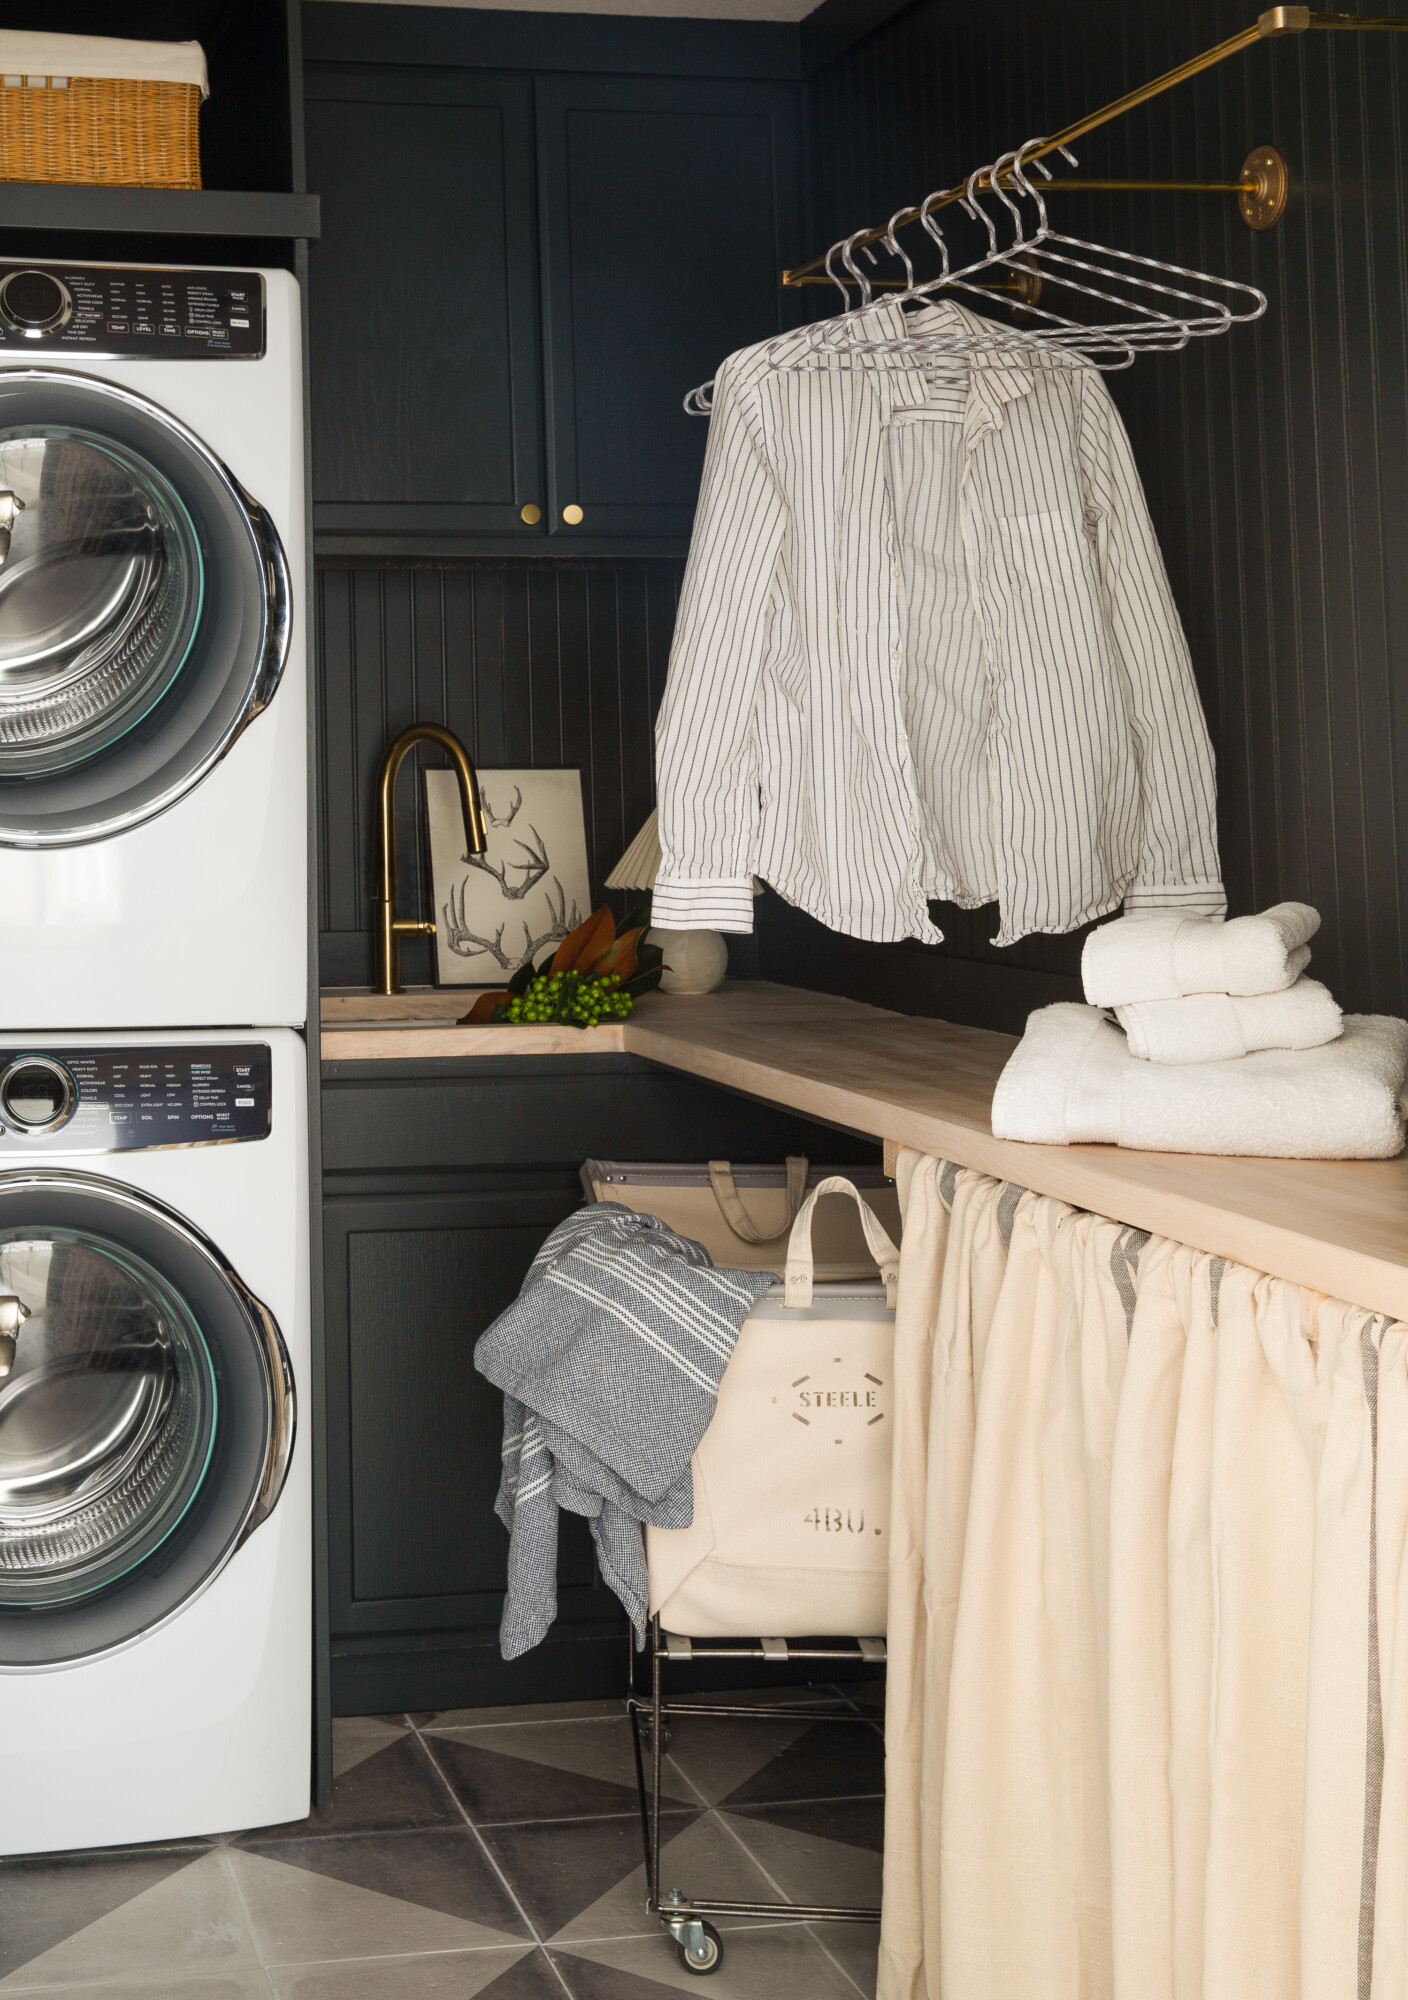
155 1544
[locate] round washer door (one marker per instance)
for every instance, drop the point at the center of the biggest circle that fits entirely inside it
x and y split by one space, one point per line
146 1418
144 609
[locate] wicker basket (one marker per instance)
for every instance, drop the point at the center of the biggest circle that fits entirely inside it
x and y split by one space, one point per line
101 131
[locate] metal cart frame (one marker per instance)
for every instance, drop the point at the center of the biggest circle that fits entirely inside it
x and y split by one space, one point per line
684 1917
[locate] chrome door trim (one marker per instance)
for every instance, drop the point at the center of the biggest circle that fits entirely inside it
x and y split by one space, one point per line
277 621
273 1353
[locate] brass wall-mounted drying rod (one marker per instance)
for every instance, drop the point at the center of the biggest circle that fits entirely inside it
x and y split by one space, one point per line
1261 187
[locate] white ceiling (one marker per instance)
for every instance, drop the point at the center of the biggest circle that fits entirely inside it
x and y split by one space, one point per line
699 10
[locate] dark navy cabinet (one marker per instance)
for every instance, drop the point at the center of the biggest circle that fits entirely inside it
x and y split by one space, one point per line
427 393
519 278
441 1179
665 209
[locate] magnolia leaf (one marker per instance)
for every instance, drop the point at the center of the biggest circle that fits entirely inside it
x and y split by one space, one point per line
644 982
637 919
483 1009
581 946
621 957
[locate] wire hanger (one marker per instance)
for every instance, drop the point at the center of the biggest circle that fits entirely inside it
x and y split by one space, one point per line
1137 306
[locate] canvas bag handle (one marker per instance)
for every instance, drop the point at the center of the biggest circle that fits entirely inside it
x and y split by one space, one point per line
731 1204
799 1246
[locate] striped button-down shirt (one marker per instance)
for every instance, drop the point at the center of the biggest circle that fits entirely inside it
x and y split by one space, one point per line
926 648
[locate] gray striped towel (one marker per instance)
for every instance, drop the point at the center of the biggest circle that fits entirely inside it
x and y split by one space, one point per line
610 1360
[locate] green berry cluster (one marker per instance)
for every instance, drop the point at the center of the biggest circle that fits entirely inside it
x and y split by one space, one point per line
572 998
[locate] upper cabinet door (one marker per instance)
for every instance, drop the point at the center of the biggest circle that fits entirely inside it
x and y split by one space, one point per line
427 414
668 209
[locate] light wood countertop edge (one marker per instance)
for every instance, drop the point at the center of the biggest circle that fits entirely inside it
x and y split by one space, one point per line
812 1053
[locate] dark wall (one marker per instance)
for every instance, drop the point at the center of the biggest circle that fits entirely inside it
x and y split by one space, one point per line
1276 459
529 662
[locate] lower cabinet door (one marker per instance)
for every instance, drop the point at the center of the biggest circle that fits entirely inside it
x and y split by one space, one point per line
417 1557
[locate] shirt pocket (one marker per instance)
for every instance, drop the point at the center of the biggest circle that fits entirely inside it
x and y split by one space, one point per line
1046 555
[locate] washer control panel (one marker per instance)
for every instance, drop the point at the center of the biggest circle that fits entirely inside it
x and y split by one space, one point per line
117 1100
155 313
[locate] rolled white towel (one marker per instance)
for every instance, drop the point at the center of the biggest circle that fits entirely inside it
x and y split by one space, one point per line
1212 1027
1071 1080
1164 958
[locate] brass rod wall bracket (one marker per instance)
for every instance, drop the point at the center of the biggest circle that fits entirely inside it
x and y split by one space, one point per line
1275 21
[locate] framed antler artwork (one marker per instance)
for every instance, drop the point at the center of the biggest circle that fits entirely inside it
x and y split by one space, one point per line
526 891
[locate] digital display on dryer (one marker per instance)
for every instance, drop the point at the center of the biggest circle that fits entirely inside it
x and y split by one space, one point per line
156 313
111 1100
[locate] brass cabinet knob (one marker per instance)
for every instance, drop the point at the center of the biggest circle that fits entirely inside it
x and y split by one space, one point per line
531 514
572 515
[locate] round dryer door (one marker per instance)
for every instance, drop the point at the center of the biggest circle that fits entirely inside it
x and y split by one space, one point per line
146 1416
144 609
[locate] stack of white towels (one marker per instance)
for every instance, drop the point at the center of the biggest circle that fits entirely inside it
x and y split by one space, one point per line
1219 1044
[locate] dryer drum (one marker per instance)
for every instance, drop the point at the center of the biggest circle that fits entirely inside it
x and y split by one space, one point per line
144 609
145 1425
99 595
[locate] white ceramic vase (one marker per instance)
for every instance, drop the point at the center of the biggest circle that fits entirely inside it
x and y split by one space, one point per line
695 961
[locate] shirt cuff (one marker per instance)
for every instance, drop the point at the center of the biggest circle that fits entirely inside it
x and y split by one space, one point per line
1197 899
685 903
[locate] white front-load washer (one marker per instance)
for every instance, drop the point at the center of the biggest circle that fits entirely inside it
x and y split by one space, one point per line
155 1542
153 759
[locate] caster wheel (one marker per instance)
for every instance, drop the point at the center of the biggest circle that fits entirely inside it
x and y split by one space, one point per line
705 1956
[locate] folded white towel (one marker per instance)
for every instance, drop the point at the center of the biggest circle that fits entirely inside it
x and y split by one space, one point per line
1072 1080
1162 958
1211 1027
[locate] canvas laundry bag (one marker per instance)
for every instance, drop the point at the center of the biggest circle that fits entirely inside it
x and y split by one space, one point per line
744 1215
790 1536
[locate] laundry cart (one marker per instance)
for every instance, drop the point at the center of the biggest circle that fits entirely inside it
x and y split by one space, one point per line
810 1378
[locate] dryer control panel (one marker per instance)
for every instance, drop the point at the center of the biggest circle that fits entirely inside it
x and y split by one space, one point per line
154 312
114 1100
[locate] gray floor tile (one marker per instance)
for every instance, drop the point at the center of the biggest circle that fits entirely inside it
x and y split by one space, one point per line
392 1788
302 1917
438 1868
856 1947
804 1851
779 1962
560 1868
545 1770
47 1897
457 1975
529 1711
250 1985
718 1754
357 1737
189 1921
830 1760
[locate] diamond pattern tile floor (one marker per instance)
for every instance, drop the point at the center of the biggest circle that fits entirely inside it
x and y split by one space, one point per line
491 1852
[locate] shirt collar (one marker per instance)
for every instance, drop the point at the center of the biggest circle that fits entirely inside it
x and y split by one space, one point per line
901 380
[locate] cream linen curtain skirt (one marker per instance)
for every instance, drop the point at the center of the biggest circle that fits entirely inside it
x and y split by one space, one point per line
1148 1632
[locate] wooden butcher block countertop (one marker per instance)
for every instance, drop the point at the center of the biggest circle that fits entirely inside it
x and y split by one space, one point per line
1338 1226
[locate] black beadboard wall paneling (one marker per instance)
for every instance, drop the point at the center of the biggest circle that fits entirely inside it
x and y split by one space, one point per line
1275 458
530 662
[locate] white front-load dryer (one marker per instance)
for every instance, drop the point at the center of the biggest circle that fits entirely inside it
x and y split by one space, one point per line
153 714
155 1543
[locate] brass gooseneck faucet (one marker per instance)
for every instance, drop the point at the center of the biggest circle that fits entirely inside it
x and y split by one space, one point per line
390 929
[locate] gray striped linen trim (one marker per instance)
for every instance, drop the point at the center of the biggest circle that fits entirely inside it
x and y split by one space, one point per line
1374 1719
926 648
1125 1253
610 1360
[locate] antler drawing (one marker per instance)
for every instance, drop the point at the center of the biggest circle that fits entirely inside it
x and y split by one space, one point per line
510 816
532 870
466 944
